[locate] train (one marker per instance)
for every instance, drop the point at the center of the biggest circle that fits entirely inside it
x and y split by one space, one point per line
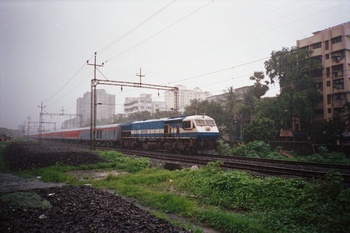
185 134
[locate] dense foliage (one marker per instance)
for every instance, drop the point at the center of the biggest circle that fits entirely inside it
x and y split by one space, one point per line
231 201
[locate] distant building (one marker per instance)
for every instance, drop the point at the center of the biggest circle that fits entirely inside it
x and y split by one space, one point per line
138 104
105 106
332 47
158 106
184 97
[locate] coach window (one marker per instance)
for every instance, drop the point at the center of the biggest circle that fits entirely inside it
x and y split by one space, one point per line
186 125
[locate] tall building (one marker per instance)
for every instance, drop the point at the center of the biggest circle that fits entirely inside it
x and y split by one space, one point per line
105 106
142 103
332 47
138 104
184 97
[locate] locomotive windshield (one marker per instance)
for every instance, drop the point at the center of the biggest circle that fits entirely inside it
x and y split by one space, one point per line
205 122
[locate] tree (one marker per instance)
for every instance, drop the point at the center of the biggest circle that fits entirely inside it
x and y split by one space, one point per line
212 109
234 120
259 89
294 71
260 129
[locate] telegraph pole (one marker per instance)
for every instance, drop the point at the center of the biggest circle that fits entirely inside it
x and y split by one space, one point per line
29 118
93 104
140 75
41 119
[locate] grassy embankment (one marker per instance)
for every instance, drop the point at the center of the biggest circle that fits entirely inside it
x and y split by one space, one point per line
228 201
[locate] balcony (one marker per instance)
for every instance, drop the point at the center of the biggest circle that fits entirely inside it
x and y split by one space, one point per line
337 74
338 102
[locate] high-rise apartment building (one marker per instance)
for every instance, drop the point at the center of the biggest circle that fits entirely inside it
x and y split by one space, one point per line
105 106
138 104
332 47
142 103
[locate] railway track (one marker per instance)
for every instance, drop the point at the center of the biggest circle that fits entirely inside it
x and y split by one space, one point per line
285 168
263 166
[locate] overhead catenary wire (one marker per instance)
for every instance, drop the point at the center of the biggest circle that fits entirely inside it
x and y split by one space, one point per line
159 32
76 74
250 29
135 28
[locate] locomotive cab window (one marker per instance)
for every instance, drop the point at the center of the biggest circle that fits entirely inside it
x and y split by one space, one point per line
200 122
186 125
205 122
210 122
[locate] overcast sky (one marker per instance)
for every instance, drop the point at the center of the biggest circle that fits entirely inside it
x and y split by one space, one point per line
44 46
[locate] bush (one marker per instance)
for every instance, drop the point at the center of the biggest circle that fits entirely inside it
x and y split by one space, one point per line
256 149
223 148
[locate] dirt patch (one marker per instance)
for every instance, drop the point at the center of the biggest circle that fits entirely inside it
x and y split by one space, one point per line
11 183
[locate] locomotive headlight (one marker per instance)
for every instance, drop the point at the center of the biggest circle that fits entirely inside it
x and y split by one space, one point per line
207 128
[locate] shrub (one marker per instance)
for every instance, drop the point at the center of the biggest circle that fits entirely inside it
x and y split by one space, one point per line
253 149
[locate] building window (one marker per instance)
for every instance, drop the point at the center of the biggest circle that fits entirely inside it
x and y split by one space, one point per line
338 84
328 83
329 99
337 71
326 44
329 110
327 56
328 71
336 40
316 45
338 55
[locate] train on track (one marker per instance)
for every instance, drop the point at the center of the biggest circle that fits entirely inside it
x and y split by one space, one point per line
185 134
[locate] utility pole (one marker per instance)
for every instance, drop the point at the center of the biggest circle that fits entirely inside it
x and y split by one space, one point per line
93 104
140 75
29 118
41 119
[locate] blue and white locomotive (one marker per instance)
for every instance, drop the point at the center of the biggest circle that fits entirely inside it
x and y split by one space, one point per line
186 134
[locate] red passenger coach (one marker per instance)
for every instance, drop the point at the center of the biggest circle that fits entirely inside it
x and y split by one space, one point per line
71 134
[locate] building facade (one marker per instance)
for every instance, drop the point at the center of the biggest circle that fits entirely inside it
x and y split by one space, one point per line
105 106
332 47
184 97
138 104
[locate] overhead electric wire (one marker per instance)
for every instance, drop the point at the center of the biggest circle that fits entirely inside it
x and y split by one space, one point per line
243 25
135 28
220 70
111 44
268 30
164 29
66 82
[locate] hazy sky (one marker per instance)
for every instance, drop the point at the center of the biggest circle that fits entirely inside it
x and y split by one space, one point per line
44 46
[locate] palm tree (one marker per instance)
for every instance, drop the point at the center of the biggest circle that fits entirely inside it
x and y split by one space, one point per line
233 106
